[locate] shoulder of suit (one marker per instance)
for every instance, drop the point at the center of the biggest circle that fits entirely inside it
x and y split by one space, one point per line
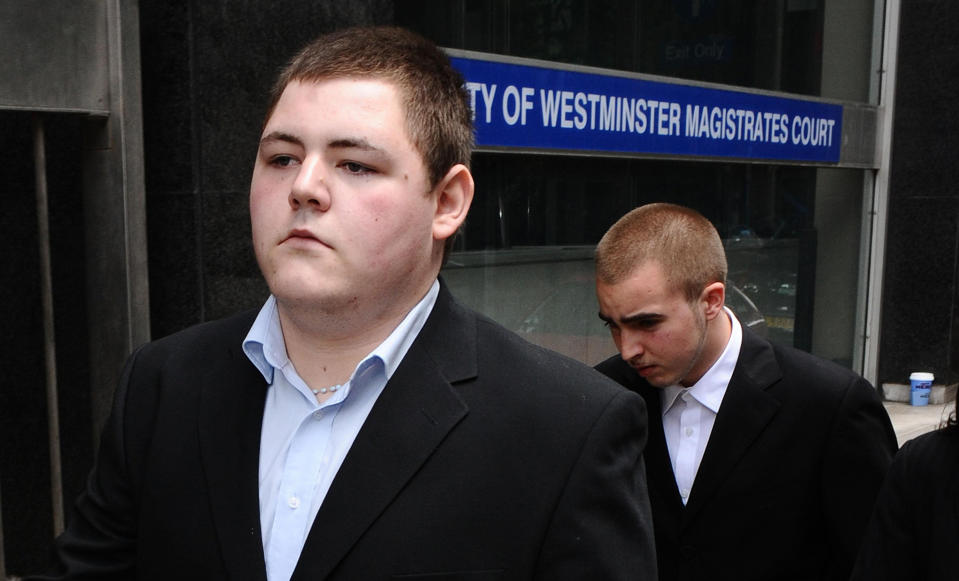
929 463
937 448
811 378
200 338
533 364
619 371
799 363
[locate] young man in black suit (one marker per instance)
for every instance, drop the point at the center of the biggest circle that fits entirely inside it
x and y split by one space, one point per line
362 425
763 461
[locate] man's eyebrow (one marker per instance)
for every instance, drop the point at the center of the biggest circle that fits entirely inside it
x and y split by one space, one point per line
281 136
642 318
340 143
633 319
353 143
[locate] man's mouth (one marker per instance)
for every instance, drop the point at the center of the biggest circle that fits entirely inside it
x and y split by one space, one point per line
302 236
642 368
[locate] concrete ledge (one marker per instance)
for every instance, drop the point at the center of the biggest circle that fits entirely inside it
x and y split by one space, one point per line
939 394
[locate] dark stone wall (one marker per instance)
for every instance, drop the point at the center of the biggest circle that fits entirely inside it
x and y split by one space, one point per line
207 69
25 474
920 319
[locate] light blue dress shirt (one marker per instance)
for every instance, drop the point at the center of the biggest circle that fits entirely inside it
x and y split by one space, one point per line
303 443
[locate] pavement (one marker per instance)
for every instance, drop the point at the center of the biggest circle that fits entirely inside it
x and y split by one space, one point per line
911 421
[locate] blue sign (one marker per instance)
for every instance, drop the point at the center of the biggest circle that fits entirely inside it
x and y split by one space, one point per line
540 108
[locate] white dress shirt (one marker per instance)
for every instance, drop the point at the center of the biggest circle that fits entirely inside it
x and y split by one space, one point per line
690 412
303 443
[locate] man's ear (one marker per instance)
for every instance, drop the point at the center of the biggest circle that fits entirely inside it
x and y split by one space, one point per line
453 196
713 299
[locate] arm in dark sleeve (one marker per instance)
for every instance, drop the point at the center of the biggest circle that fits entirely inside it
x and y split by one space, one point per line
100 538
602 527
858 453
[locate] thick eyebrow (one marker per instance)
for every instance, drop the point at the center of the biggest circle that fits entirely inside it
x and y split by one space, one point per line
341 143
641 318
353 143
281 136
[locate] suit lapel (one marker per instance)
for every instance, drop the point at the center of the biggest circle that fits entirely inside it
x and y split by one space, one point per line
412 417
746 410
231 415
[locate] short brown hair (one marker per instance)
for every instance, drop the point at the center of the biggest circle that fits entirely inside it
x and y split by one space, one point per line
680 239
438 115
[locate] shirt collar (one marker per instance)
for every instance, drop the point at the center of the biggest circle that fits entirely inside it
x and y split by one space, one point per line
711 387
264 345
265 348
394 348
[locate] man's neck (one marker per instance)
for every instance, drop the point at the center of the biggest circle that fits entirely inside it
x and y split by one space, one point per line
718 331
325 347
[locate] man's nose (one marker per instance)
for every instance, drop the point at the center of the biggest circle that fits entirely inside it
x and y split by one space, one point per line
310 190
630 345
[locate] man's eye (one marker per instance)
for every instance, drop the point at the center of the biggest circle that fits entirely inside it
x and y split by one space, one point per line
647 324
356 168
282 160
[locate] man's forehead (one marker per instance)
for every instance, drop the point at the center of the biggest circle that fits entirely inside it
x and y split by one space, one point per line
346 81
345 115
648 273
644 285
348 86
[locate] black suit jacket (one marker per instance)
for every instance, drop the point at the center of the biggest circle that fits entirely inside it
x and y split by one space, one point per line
914 531
485 457
789 476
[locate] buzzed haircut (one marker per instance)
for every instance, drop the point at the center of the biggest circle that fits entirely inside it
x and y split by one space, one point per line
438 115
684 243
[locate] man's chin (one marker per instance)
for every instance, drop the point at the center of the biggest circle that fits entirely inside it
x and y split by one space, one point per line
324 298
654 377
659 384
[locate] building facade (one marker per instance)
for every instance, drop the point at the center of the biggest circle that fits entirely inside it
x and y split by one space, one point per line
149 113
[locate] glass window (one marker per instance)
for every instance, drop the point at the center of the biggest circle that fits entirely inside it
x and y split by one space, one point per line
525 257
810 47
792 233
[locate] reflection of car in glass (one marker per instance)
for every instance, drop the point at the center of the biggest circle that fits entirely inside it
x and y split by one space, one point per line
745 309
767 276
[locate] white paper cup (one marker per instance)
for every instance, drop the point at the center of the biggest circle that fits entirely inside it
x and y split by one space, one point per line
920 384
